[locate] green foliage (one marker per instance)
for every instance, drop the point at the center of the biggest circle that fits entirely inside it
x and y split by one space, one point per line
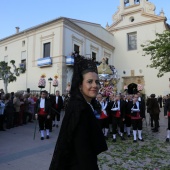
159 49
7 75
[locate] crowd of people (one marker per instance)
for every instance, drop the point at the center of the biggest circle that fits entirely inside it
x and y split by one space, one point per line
122 114
18 109
115 113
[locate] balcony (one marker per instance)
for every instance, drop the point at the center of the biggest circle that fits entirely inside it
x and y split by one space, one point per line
44 62
69 60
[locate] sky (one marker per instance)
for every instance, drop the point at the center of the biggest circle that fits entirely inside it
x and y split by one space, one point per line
29 13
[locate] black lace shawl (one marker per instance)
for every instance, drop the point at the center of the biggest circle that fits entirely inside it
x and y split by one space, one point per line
64 149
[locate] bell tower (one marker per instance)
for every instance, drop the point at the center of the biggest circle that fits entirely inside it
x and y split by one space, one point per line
127 3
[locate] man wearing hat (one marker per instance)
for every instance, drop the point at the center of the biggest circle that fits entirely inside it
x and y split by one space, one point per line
154 111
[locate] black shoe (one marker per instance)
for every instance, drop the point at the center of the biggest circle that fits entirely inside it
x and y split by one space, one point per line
47 137
167 139
153 129
134 141
122 138
57 126
114 140
129 136
42 138
141 140
53 125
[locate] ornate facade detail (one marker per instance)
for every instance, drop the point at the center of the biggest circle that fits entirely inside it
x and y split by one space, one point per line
149 7
133 79
116 16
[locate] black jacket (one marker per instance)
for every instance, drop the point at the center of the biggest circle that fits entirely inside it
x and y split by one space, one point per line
60 103
122 108
47 106
80 139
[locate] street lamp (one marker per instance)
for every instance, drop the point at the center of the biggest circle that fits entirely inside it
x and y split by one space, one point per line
50 80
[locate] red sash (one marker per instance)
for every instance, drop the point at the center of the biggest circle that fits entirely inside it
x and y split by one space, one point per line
128 115
56 106
42 112
117 113
169 114
103 116
137 116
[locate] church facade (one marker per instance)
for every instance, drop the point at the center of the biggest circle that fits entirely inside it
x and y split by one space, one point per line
47 48
134 24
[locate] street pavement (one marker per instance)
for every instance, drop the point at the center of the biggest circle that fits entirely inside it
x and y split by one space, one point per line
19 151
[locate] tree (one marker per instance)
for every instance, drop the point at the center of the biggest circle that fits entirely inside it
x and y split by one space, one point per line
159 49
6 75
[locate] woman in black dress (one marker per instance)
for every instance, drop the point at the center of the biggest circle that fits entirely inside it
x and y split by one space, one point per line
80 139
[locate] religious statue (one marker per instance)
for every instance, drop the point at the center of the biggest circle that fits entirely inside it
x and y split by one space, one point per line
103 68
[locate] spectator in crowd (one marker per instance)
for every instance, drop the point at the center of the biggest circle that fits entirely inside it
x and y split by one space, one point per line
31 106
9 111
167 105
2 117
154 110
160 101
17 104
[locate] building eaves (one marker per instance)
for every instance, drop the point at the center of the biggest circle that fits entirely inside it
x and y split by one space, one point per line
57 20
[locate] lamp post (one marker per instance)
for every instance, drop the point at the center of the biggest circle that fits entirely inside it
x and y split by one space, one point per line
50 80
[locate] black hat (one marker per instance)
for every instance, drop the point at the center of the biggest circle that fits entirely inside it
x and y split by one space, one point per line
152 95
81 64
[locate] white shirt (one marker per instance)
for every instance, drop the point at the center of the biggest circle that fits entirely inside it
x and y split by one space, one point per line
42 103
136 110
116 108
56 100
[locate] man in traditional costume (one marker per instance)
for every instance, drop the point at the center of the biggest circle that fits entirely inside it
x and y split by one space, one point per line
137 116
118 116
58 106
43 112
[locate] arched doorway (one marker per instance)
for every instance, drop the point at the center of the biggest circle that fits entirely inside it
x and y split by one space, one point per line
132 88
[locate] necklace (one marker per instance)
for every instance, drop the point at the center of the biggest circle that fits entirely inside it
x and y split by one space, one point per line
91 106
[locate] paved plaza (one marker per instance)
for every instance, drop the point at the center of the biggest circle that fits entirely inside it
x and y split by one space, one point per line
19 151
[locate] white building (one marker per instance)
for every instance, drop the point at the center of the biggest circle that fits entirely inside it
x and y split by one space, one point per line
44 49
134 23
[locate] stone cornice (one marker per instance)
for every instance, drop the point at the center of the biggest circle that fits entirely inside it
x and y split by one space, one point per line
136 24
